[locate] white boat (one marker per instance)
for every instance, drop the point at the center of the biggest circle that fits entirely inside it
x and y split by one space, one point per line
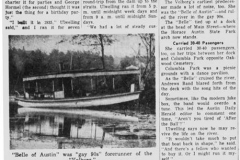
83 113
80 102
79 89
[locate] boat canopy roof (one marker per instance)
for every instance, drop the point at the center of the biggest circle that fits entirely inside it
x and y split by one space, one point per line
89 73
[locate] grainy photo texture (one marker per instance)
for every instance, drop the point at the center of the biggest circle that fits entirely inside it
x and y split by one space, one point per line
82 91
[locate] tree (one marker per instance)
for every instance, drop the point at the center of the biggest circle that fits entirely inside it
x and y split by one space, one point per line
148 41
95 41
148 95
148 59
55 58
127 61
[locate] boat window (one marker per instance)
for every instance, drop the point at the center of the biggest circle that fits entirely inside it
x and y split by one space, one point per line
124 83
58 85
82 87
45 86
30 88
102 85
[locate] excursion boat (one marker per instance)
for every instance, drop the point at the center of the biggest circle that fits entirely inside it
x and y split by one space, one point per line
77 89
76 113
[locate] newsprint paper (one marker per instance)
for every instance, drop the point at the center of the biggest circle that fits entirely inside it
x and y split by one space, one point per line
120 79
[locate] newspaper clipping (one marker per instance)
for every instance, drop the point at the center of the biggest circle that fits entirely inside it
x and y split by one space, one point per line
120 79
198 95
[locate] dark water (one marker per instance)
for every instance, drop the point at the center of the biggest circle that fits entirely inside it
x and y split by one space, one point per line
37 128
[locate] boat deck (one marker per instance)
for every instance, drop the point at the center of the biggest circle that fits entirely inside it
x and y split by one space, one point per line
80 102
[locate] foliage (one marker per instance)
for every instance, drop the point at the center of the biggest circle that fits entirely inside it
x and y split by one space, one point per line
27 63
146 63
24 63
148 75
95 40
127 61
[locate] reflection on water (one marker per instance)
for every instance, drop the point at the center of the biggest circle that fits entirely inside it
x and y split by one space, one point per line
43 128
56 125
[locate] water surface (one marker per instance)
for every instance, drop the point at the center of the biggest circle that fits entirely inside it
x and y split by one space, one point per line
38 128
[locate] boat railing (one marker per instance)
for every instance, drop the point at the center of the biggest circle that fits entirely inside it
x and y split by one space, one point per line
68 87
78 93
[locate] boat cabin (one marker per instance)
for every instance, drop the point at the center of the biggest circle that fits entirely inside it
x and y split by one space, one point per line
77 84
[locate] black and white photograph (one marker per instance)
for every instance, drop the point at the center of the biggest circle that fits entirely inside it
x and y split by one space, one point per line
120 79
82 91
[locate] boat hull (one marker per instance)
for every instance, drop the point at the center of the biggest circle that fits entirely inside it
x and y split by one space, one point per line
81 102
75 113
